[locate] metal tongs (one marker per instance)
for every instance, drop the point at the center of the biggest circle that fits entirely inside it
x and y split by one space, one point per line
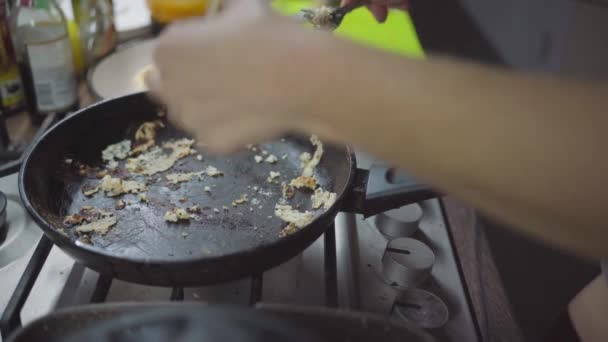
335 17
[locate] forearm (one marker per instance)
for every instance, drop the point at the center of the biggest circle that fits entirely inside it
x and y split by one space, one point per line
525 149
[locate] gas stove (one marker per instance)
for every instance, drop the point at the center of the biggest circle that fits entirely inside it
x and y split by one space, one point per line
400 264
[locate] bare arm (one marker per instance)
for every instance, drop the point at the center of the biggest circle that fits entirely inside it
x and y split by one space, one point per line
529 150
526 149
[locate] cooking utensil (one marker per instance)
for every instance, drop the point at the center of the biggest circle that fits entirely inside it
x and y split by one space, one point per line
337 14
179 321
222 245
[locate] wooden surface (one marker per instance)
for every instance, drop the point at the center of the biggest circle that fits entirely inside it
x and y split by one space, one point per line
20 129
490 304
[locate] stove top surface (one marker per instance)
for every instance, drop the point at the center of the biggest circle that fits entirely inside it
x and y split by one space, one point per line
399 264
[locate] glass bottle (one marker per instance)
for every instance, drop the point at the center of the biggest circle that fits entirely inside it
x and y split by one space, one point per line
11 88
95 19
44 54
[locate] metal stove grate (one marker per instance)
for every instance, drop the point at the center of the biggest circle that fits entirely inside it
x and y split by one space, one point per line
11 317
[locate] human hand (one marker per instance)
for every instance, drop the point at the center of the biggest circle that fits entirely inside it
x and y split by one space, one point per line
379 8
243 76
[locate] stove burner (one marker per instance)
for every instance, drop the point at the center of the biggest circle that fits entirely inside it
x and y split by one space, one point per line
422 308
18 234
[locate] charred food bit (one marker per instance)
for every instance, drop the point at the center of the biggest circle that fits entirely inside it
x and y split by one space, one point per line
288 230
195 209
287 190
86 239
145 136
323 198
213 172
74 219
290 215
101 173
304 182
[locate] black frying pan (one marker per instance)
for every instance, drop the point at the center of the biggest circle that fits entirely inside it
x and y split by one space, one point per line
223 246
188 321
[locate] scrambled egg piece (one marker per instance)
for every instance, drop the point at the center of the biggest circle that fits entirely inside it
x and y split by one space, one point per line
305 158
273 176
309 165
271 159
120 205
118 151
175 178
290 215
101 226
304 182
213 172
177 214
115 186
90 191
155 160
323 198
240 200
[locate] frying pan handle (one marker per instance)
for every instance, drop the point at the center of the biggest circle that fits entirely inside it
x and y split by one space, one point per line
384 188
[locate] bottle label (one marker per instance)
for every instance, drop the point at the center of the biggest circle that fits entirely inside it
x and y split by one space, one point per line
42 4
11 90
53 74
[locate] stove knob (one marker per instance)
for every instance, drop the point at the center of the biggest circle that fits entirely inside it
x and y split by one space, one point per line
406 263
421 308
401 222
3 225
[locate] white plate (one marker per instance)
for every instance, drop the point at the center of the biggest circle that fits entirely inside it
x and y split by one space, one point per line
122 72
